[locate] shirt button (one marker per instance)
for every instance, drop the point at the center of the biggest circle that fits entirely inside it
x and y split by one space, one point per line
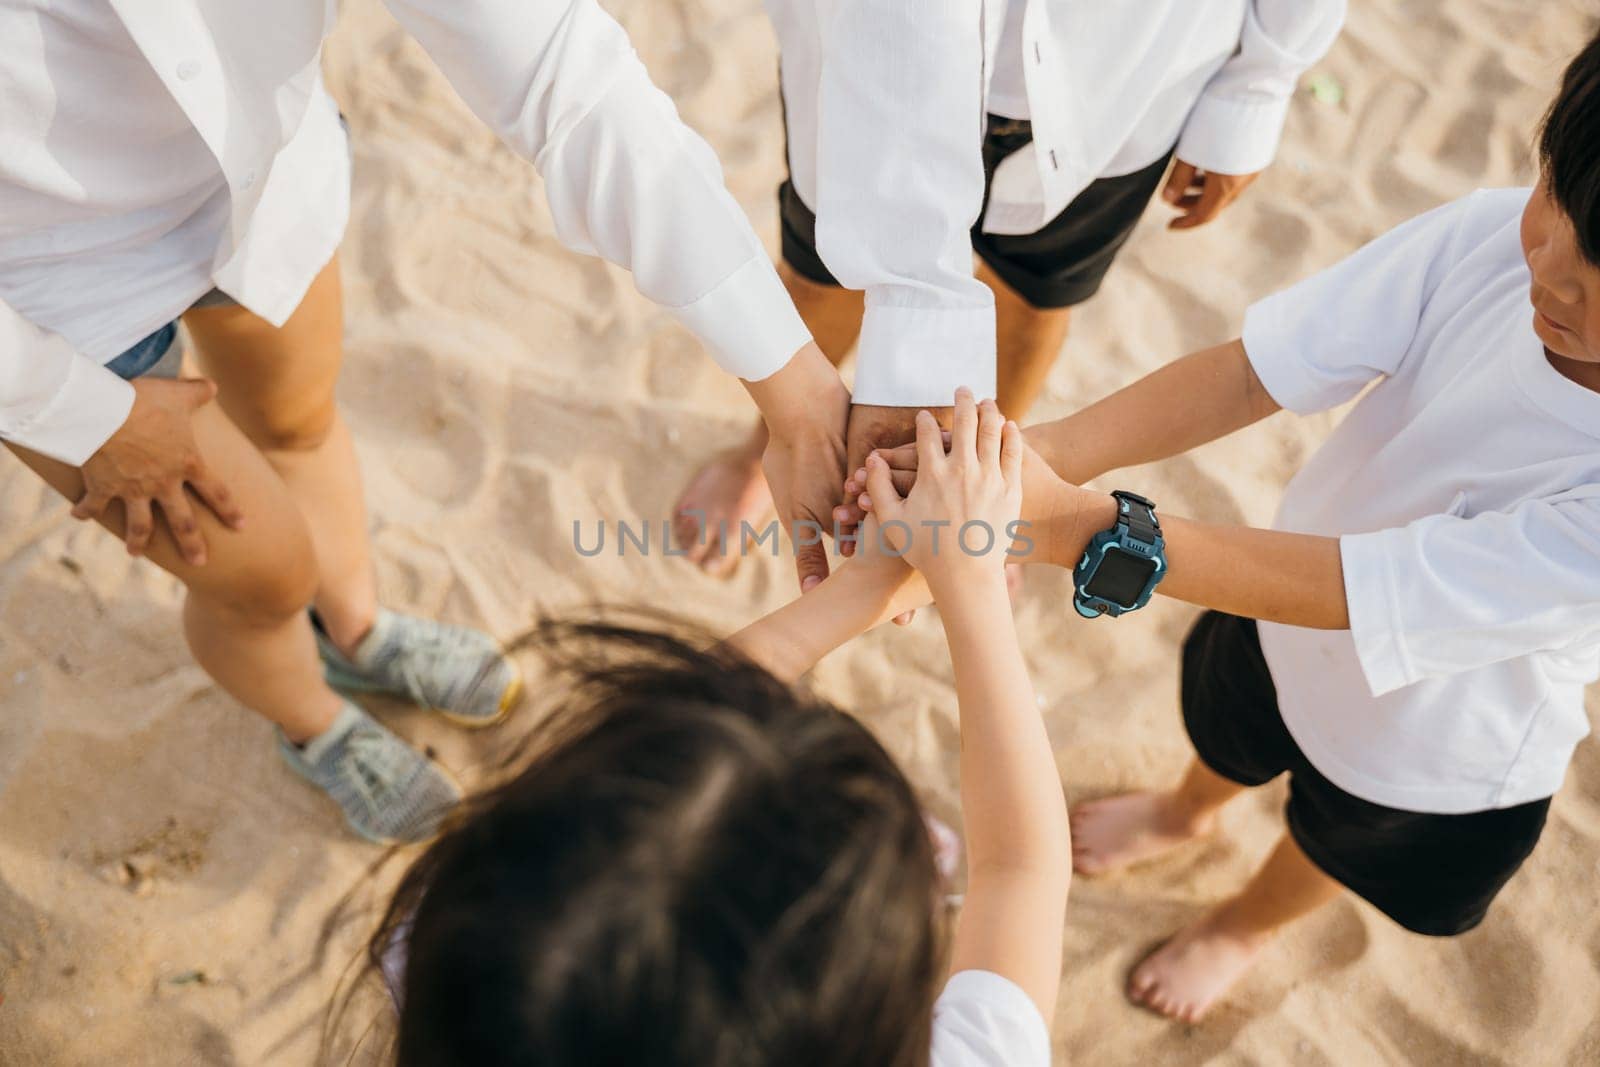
187 70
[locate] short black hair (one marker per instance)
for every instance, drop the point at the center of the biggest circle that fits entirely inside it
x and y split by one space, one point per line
700 865
1569 148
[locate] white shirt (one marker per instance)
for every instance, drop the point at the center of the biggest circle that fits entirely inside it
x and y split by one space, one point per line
885 111
101 248
1465 490
85 204
985 1020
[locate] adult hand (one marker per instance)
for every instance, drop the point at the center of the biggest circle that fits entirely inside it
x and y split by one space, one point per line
806 407
977 482
873 427
1045 495
1200 195
151 460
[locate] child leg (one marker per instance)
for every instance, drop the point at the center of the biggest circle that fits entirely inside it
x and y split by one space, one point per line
1184 977
245 614
245 618
277 385
1113 833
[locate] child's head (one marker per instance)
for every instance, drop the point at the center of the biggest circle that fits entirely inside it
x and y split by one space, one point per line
698 866
1561 226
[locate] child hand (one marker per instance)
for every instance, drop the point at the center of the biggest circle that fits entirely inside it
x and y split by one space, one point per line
1043 491
878 563
957 520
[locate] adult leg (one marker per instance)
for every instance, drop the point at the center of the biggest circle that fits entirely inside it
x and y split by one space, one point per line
730 488
277 385
244 616
1184 977
1113 833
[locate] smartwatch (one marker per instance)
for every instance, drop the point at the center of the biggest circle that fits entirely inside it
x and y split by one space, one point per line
1122 566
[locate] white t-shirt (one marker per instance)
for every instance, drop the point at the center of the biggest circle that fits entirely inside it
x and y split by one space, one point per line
1465 490
984 1020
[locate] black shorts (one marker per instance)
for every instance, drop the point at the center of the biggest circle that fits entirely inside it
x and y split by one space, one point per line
1432 874
1058 266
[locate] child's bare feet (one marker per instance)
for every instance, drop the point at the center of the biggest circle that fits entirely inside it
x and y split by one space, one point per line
729 490
1184 977
1116 832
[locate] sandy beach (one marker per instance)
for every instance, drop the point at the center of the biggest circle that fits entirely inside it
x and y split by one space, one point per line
166 883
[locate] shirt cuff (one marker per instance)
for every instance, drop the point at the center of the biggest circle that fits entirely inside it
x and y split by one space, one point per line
1230 136
748 322
917 357
1369 589
85 411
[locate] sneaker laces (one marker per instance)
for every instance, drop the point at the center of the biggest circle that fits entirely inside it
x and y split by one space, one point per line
373 763
427 650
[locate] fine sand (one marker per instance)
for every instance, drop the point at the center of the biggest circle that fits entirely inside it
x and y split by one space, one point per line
166 884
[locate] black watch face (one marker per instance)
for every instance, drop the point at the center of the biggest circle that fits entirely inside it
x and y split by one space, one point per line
1121 577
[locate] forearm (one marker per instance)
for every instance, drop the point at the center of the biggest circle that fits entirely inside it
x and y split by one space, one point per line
855 598
1290 578
803 389
899 185
54 400
1019 846
1010 793
1199 398
1295 579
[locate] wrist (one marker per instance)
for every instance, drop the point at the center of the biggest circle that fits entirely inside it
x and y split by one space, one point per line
1075 515
956 587
1062 446
804 394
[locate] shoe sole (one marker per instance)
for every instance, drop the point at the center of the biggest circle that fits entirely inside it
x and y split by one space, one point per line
508 700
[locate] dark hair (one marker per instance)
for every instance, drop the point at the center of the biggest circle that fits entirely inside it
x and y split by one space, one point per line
698 865
1569 148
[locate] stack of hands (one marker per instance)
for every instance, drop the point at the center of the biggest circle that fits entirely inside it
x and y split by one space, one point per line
950 510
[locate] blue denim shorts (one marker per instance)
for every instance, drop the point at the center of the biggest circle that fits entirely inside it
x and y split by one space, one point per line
158 355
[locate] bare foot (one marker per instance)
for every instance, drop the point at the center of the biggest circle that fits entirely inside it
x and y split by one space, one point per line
1184 977
1113 833
729 490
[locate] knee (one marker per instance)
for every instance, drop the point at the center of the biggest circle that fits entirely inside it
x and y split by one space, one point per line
303 428
276 584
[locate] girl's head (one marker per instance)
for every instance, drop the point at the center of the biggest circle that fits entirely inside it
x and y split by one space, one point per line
697 866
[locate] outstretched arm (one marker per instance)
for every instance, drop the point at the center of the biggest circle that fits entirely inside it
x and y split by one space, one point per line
559 81
865 592
1018 846
1190 402
1292 578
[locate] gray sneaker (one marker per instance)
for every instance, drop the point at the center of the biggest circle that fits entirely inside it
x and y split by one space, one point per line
457 671
389 791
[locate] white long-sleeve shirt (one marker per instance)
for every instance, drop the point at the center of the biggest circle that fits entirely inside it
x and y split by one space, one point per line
885 103
229 168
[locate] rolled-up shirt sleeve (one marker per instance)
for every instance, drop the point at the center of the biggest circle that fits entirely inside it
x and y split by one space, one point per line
53 399
626 179
1238 121
1318 343
899 186
1445 594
